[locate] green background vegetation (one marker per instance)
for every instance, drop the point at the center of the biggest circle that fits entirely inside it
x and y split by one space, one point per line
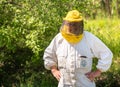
28 26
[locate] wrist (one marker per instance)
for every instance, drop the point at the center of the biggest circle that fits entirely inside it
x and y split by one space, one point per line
98 71
53 68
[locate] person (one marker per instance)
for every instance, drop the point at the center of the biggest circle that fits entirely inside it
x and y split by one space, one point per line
69 55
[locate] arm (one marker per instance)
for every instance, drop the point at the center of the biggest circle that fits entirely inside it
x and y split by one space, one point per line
50 58
104 55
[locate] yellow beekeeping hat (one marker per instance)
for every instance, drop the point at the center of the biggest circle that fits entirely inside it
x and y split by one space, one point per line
73 16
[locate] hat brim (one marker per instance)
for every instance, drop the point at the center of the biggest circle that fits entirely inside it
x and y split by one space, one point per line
72 20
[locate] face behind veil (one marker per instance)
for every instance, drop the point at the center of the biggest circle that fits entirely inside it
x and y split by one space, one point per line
75 28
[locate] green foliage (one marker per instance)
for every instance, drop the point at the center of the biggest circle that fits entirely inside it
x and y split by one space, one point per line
28 26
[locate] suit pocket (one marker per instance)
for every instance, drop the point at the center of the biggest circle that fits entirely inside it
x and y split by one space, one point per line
61 61
84 63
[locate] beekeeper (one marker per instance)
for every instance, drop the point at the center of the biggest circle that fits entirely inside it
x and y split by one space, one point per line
69 55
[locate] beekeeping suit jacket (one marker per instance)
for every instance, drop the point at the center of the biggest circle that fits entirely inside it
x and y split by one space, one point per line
75 60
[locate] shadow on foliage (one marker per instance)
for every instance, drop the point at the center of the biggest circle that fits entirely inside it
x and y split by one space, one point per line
14 66
108 79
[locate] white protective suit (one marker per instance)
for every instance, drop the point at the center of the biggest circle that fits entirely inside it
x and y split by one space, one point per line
75 60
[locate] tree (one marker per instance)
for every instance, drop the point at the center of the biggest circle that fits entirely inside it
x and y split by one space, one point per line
106 7
118 7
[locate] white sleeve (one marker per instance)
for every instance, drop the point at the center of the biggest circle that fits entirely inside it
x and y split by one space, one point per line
49 56
102 52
